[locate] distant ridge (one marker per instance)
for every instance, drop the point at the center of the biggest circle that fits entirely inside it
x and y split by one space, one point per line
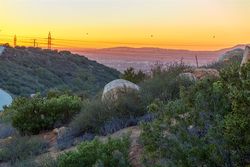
143 58
158 49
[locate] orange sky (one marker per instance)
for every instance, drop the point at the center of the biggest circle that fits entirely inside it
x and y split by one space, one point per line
182 24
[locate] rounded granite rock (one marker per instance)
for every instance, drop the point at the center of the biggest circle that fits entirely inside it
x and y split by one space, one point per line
116 88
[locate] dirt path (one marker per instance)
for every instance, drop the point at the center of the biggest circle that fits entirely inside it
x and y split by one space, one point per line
135 148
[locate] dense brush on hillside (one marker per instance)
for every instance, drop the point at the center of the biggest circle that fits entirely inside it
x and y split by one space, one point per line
24 71
233 57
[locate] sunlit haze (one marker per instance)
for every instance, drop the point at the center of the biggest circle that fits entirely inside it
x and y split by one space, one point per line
182 24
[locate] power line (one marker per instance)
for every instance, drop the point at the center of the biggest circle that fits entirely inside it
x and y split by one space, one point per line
73 42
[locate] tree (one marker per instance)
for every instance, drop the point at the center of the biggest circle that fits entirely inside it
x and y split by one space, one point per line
131 75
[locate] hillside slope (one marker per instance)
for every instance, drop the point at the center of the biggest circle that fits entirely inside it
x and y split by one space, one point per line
24 71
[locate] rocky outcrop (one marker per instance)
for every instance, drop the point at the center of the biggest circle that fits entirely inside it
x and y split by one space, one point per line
113 90
201 73
246 56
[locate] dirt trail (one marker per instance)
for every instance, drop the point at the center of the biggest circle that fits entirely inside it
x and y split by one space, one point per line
135 148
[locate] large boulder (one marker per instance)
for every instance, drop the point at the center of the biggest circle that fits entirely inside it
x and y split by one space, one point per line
201 73
113 90
5 99
246 56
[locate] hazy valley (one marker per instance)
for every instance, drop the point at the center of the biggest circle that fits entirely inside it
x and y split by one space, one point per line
144 59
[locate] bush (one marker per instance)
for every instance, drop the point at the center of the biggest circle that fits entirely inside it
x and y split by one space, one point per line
164 84
131 75
95 116
32 115
21 148
95 153
207 126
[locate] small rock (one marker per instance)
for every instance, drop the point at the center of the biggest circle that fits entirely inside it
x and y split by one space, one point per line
60 132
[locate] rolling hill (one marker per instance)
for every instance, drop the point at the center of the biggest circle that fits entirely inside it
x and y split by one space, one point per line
25 71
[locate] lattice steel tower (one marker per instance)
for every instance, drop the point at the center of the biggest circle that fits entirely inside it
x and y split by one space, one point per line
49 41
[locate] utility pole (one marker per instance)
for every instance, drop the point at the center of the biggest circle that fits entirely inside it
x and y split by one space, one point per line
49 41
197 63
34 43
14 41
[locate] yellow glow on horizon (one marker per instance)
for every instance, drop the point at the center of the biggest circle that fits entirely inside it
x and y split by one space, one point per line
182 24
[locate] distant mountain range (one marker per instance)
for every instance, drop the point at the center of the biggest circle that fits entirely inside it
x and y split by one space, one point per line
144 58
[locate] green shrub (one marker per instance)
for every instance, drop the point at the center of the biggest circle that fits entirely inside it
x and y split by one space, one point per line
114 153
131 75
164 84
236 124
96 113
207 126
32 115
21 148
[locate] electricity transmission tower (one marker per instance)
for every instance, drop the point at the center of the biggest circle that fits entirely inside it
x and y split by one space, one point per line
49 41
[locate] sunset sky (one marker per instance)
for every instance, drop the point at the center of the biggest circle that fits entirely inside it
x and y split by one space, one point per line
183 24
